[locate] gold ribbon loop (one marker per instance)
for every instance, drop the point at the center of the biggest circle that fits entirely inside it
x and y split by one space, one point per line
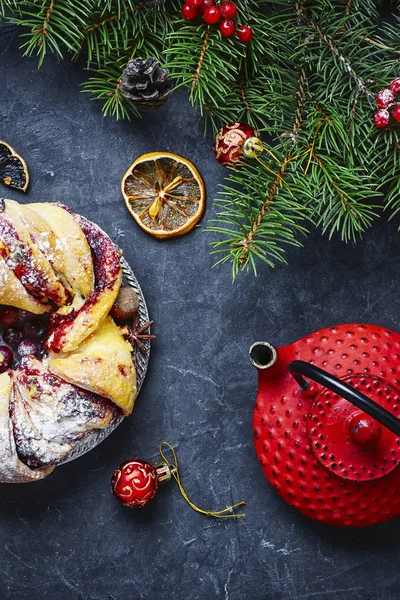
219 514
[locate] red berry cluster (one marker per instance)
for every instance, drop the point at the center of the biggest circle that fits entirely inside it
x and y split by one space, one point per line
212 14
21 333
385 99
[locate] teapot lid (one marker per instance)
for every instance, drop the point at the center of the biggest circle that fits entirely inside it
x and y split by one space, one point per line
346 440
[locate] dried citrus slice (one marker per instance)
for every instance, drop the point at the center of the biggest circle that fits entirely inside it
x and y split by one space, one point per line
13 170
164 193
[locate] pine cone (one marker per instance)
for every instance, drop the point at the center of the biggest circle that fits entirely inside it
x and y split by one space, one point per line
145 83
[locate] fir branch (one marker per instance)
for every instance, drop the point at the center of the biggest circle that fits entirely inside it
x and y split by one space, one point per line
200 59
247 241
238 209
8 7
333 165
379 45
203 50
106 20
54 25
342 204
106 86
349 7
335 51
42 31
115 30
300 105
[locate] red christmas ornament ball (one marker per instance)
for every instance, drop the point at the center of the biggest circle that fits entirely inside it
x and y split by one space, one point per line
245 33
227 27
189 12
381 118
228 10
229 142
396 112
194 3
134 483
395 86
384 98
212 15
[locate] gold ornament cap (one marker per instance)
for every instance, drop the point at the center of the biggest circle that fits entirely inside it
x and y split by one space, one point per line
164 471
252 147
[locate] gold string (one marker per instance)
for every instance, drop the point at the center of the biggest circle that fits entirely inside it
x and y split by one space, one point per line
219 514
271 171
266 149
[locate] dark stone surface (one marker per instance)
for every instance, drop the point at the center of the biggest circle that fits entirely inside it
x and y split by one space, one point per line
66 538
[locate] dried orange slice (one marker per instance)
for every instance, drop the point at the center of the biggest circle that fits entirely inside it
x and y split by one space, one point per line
164 193
13 170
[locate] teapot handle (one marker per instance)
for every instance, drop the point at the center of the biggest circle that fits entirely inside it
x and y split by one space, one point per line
300 369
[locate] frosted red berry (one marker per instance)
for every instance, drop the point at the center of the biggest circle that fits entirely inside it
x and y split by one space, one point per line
227 27
6 358
194 3
212 15
384 98
12 336
33 329
382 118
28 348
189 12
228 10
245 33
205 4
10 316
396 113
25 314
395 86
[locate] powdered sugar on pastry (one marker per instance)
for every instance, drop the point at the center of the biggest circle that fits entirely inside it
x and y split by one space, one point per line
49 416
12 470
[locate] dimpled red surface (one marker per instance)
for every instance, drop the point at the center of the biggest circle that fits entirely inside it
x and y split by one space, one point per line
281 430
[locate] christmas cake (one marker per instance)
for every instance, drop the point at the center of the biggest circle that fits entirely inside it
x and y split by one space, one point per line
59 265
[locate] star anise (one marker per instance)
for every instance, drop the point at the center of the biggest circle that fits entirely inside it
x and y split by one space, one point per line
137 334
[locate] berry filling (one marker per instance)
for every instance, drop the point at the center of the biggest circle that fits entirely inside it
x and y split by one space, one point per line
19 258
107 269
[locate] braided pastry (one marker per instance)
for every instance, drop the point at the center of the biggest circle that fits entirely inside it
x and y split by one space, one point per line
54 261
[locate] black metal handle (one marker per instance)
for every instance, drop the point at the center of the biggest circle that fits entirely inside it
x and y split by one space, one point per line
299 369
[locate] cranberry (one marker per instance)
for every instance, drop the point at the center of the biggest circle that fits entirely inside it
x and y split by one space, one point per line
194 3
28 347
12 336
395 86
382 118
25 314
396 112
189 12
227 27
212 15
206 4
228 10
245 33
6 358
384 98
33 329
10 316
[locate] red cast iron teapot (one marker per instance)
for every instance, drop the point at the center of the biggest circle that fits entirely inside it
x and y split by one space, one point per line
326 423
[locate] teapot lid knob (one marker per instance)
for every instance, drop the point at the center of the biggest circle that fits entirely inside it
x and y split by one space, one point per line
364 430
